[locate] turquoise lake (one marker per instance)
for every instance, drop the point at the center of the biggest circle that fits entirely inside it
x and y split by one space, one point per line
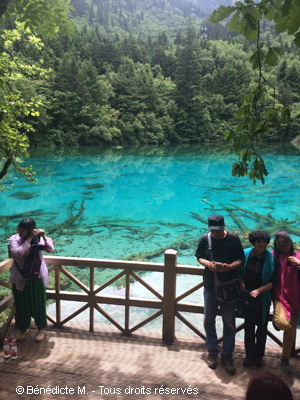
136 203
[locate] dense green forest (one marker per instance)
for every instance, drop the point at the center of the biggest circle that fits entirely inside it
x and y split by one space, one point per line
140 72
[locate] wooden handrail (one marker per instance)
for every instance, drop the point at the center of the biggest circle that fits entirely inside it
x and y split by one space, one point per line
98 263
6 265
166 304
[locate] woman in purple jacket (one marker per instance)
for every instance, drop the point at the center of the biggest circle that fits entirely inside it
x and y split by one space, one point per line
29 276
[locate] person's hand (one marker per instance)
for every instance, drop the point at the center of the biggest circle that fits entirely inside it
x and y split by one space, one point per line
217 266
226 267
222 267
41 232
294 260
255 293
211 265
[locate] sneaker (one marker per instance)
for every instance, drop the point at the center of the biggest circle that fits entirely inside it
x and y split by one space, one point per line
40 336
228 365
285 365
247 362
212 360
258 362
22 334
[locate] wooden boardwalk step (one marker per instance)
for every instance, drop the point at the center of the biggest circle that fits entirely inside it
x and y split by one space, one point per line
107 365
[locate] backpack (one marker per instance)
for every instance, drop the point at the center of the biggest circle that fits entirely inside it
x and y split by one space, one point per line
32 264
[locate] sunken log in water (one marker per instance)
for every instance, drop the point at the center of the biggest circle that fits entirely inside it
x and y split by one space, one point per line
148 255
69 222
237 220
263 222
272 224
199 218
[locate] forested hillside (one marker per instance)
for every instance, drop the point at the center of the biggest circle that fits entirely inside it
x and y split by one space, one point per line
141 17
144 17
111 83
207 6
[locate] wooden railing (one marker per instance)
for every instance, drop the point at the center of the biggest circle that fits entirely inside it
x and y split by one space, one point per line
166 304
8 301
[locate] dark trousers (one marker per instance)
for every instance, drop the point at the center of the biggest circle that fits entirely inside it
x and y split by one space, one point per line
255 338
30 302
228 318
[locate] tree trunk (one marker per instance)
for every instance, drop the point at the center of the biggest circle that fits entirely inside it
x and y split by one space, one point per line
7 164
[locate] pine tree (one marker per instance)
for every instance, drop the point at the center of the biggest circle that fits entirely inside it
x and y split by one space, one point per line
192 120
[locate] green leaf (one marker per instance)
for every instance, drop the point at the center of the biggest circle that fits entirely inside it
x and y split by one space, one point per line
269 12
221 13
234 21
251 27
271 57
290 21
253 13
240 4
240 112
297 39
227 136
244 155
286 7
254 58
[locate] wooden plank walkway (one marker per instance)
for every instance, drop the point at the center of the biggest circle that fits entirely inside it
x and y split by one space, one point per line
106 365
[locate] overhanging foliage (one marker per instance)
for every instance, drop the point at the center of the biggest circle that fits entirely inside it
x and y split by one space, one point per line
261 109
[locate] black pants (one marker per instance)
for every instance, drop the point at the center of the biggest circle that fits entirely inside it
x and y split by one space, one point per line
30 302
255 336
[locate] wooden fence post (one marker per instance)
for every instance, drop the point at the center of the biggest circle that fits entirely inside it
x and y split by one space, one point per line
169 296
57 292
92 309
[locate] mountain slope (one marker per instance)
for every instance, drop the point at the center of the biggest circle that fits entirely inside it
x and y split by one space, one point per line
142 17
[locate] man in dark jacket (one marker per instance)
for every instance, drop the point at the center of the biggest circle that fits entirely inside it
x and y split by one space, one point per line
228 254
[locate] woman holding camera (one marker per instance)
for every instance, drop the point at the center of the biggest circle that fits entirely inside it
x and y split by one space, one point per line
29 276
258 274
286 293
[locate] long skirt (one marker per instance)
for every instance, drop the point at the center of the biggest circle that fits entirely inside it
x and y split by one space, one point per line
30 303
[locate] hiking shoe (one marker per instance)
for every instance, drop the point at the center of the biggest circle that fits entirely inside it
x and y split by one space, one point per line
212 360
258 362
285 365
40 336
228 365
247 362
22 334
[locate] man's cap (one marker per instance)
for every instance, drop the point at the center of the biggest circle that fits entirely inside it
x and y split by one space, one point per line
216 222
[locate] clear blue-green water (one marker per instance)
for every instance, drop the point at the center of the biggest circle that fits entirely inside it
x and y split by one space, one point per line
139 202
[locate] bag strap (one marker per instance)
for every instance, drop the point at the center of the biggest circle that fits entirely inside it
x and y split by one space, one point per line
216 279
210 246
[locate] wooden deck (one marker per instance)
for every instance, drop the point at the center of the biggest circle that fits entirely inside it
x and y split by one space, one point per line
107 365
